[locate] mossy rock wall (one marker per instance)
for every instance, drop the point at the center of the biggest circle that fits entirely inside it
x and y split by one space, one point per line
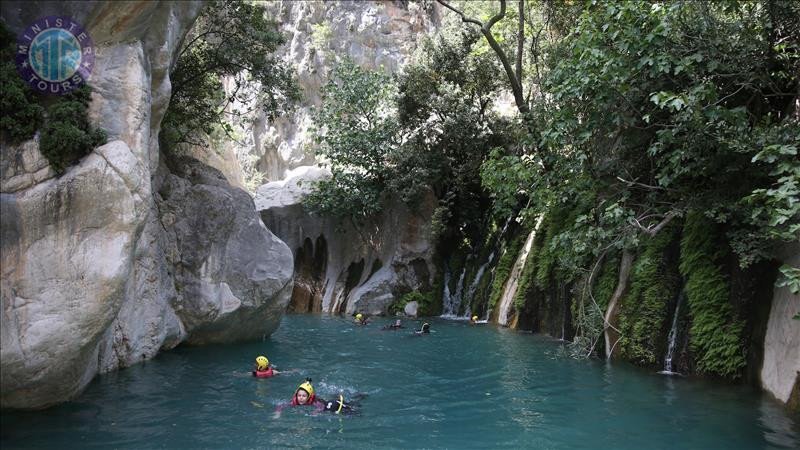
646 311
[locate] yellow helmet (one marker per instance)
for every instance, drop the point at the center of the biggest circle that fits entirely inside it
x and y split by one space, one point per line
474 318
306 386
262 362
359 316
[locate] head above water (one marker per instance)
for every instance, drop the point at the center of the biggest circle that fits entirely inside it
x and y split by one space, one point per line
359 316
426 327
262 363
397 323
304 394
474 318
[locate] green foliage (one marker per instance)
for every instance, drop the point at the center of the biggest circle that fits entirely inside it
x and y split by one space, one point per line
607 280
22 114
655 109
357 133
444 107
643 311
234 40
790 278
67 135
505 264
426 303
716 333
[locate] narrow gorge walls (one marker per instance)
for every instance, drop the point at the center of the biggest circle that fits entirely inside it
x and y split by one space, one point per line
128 252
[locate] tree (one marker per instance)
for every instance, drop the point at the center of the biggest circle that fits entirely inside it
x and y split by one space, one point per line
356 131
231 40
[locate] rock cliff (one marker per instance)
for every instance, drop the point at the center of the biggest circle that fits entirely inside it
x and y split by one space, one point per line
128 252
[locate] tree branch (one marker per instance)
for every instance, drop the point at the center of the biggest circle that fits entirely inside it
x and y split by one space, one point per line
486 30
520 39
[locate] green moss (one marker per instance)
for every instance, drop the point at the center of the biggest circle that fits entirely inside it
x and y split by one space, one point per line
716 335
547 258
606 281
643 311
504 267
429 303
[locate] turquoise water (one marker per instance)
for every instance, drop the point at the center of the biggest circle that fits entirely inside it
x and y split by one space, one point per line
460 387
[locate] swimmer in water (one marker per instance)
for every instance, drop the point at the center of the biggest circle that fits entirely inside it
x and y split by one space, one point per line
305 395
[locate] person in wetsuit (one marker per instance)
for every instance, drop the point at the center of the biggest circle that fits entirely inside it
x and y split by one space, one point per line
360 319
304 395
426 329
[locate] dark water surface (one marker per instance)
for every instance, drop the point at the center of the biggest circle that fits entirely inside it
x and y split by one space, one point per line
460 387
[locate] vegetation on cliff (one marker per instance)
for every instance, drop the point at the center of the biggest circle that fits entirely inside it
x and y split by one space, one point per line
66 134
225 68
632 118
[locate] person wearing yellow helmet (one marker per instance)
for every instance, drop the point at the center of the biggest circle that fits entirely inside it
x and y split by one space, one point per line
263 369
361 319
305 395
474 321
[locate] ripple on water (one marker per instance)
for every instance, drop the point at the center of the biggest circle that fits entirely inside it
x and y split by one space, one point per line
460 387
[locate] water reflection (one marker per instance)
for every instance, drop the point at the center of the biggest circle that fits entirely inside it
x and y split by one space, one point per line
778 428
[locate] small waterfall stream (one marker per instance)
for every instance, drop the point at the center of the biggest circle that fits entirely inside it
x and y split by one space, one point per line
474 285
452 302
672 339
512 283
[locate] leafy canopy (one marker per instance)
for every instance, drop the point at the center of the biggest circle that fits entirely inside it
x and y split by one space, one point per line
235 42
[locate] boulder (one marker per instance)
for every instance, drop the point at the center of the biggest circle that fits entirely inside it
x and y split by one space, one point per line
233 277
411 309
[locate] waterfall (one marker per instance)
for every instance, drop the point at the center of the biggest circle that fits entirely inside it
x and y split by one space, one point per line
512 283
451 302
474 285
672 339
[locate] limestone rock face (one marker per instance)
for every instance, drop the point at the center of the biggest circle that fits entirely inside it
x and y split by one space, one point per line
233 276
68 247
123 256
378 35
343 269
780 372
411 309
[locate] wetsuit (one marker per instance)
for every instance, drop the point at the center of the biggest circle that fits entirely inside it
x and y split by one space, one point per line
338 406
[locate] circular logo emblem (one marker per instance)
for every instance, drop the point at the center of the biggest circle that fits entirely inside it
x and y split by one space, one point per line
55 55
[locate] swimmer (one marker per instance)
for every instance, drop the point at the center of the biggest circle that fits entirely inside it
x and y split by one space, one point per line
426 329
263 368
360 319
305 395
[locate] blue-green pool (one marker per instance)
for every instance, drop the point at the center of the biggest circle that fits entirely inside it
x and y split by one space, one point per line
460 387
